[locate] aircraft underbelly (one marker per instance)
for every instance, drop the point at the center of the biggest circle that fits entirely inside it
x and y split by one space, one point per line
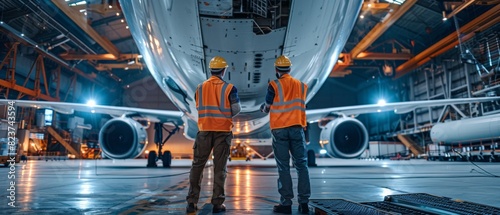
178 38
250 56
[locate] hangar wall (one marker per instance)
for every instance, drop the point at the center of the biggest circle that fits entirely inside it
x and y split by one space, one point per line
445 76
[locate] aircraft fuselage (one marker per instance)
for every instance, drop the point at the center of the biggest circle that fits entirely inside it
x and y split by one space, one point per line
178 38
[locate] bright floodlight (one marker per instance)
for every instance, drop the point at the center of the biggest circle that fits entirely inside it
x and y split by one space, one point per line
381 102
322 151
91 103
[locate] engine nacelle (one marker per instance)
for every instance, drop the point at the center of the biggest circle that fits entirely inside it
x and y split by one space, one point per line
122 138
344 138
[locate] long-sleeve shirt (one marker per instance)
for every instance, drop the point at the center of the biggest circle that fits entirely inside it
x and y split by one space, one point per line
270 95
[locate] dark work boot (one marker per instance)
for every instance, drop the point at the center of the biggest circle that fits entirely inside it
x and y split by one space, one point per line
304 208
191 208
219 208
284 209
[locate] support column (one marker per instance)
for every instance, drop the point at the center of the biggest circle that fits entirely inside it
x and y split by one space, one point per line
9 82
428 95
467 81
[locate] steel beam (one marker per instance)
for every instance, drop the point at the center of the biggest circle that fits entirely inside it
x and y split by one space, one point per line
28 42
381 27
10 83
82 23
480 23
383 56
110 66
374 34
460 8
98 56
368 6
24 90
345 61
10 61
57 78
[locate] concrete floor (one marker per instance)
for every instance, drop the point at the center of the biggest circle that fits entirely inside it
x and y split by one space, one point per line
127 187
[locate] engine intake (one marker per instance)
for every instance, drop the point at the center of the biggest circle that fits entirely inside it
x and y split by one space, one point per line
122 138
344 138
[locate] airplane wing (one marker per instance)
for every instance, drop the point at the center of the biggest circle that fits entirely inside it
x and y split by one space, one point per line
151 115
398 107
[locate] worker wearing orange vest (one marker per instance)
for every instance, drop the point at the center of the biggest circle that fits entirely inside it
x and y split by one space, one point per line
285 101
217 102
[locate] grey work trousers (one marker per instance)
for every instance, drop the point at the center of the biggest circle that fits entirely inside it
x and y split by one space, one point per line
205 141
285 141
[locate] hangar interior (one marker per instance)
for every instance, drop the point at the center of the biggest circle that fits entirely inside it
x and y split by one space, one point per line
77 51
399 50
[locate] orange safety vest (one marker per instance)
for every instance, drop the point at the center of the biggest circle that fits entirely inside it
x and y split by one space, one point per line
213 105
289 104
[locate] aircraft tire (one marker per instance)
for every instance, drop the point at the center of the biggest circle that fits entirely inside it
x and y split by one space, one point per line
152 159
167 159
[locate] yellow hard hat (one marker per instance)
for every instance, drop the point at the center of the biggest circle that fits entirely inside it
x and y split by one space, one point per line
282 61
218 63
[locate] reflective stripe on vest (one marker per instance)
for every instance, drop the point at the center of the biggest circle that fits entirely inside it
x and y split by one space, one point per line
300 101
224 112
288 108
214 108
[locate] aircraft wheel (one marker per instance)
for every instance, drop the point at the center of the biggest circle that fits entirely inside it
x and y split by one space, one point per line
167 159
152 159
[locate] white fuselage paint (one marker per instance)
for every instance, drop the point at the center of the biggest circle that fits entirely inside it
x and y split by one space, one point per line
178 38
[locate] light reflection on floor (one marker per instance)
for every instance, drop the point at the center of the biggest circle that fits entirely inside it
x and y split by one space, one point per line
74 186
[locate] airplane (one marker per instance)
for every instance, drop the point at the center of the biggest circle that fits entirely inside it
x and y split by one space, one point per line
177 39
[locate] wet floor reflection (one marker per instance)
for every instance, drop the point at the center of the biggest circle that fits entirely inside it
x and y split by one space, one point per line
26 179
71 186
242 189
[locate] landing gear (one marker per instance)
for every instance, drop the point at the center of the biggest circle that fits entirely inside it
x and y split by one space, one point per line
165 157
152 159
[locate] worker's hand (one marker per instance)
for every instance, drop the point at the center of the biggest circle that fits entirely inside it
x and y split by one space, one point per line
264 108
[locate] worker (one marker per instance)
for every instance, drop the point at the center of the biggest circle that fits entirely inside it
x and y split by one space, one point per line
285 101
217 102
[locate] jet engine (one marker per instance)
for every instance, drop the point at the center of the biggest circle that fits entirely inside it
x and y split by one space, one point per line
344 137
122 138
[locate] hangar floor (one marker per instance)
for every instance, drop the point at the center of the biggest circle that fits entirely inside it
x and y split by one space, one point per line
127 187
